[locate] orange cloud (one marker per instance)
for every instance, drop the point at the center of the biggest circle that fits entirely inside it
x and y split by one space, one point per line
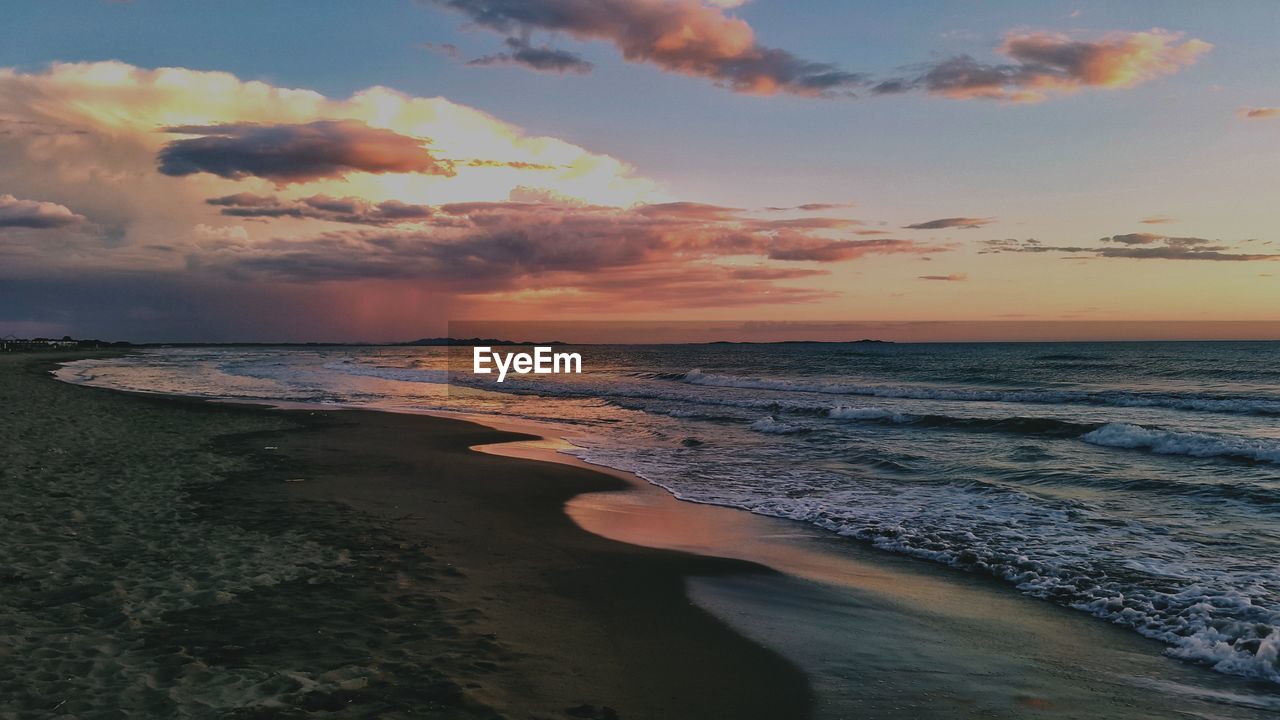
484 247
90 131
1045 63
35 215
1258 113
689 37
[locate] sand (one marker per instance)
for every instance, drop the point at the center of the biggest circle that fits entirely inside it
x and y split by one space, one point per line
170 558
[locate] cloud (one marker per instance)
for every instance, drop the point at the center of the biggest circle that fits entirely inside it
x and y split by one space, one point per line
1135 246
543 58
1180 253
1152 238
962 223
810 207
321 207
280 202
689 211
293 153
957 277
1258 113
700 38
85 135
487 247
805 248
1157 220
1041 63
35 215
28 129
508 164
688 37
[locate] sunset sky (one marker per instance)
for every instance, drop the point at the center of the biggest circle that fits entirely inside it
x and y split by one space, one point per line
371 171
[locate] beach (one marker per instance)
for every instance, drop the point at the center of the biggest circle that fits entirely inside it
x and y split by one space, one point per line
181 558
639 359
184 558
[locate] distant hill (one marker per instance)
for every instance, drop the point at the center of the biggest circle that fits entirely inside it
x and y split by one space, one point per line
864 341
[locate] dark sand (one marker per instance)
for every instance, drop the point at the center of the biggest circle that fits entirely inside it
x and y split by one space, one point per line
162 557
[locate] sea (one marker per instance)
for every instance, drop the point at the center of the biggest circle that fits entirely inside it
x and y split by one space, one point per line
1136 482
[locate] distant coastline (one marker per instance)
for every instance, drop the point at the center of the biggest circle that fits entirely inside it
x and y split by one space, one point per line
864 341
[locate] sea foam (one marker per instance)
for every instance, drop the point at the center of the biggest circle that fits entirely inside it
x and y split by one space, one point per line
1194 444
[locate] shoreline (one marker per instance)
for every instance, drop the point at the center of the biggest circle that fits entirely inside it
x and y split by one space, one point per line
480 577
890 636
612 626
961 623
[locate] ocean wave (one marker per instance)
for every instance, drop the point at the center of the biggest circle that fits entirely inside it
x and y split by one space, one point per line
772 426
1215 404
434 377
1231 630
1072 357
1112 435
1048 427
1064 551
866 413
1193 444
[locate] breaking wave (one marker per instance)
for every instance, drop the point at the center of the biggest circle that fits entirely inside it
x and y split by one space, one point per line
1200 403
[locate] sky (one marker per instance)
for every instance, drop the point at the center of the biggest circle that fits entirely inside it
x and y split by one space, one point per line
324 171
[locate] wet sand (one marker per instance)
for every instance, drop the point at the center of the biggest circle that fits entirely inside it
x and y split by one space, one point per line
886 636
586 620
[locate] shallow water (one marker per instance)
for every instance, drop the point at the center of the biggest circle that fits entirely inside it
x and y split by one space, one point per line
1139 483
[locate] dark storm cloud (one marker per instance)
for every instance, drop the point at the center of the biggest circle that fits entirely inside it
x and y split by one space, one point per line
681 36
296 153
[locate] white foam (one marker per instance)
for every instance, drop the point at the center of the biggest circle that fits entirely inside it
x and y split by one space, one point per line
772 426
434 377
867 413
1194 444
